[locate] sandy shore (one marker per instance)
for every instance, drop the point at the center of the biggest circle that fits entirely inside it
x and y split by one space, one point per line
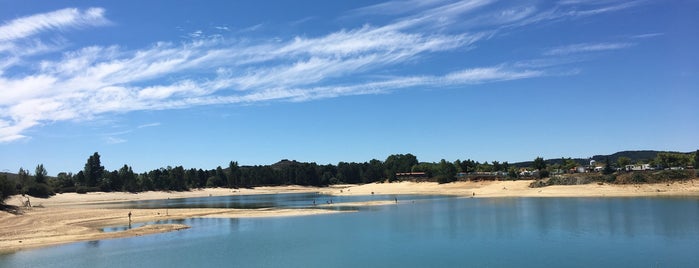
521 189
72 217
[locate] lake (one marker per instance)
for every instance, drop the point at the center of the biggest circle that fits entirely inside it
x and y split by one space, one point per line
419 231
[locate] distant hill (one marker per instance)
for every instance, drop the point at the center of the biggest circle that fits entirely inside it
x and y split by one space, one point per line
635 156
10 176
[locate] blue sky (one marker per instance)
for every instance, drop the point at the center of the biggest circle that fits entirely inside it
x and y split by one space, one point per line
201 83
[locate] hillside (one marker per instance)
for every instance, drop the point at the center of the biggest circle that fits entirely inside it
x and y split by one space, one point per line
635 156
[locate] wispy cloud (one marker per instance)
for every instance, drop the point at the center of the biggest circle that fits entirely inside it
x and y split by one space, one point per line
92 81
115 140
155 124
586 48
648 35
53 21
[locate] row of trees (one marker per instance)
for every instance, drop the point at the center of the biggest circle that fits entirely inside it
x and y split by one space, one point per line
94 177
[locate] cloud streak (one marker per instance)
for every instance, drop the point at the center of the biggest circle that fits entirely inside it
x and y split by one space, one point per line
53 21
586 48
84 83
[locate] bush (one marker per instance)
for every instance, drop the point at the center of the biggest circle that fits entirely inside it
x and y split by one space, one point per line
7 188
638 177
444 179
70 189
673 175
41 190
85 189
609 178
543 174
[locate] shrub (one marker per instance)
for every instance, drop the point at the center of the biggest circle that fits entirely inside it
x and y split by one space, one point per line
84 189
41 190
611 178
638 177
7 188
70 189
673 175
444 179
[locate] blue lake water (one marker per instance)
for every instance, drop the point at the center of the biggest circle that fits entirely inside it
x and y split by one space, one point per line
298 200
436 232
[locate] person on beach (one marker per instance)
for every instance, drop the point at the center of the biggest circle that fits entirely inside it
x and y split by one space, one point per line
129 219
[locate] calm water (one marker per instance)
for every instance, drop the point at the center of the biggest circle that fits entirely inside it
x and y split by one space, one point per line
436 232
300 200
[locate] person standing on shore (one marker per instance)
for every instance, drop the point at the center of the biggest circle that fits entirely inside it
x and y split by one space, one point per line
129 219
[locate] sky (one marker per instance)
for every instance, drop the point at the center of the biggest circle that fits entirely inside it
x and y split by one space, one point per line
201 83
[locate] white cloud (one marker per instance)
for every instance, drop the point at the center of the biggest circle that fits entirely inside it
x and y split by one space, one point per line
648 35
155 124
585 48
489 74
56 21
92 81
115 140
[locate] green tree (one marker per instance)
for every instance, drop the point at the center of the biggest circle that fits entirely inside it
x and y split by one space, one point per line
94 171
373 171
128 178
446 172
539 164
623 161
24 180
668 160
496 166
234 175
696 160
568 164
7 188
40 174
468 166
398 163
607 167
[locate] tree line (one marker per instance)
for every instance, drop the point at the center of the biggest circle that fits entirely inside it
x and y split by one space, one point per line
94 177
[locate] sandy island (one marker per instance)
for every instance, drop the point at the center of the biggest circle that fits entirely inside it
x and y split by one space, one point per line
72 217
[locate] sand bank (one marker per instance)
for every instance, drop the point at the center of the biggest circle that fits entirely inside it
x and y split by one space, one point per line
72 217
520 189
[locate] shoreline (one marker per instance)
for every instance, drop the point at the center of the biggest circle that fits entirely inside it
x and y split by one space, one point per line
71 217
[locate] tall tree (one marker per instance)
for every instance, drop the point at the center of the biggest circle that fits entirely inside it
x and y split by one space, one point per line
40 174
24 180
446 172
607 167
622 161
696 159
234 175
128 178
94 171
539 163
7 188
398 163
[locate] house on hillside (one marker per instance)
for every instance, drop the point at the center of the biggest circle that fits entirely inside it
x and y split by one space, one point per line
638 167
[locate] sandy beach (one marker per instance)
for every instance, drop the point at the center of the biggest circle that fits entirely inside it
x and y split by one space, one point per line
72 217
